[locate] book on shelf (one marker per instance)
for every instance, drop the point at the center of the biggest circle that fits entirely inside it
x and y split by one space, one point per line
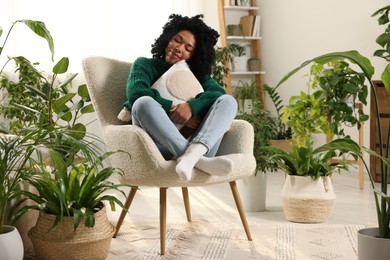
247 23
256 26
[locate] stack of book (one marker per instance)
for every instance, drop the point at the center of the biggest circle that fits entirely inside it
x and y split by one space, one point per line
250 25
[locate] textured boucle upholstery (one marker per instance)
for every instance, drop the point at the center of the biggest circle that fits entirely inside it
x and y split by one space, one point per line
106 80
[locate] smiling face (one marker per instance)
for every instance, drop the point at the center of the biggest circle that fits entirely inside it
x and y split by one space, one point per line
180 47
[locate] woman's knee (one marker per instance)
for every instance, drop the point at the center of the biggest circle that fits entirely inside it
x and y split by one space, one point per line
229 101
143 104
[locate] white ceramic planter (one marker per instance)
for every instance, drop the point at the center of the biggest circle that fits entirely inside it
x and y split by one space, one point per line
11 245
370 246
247 106
307 201
253 190
240 63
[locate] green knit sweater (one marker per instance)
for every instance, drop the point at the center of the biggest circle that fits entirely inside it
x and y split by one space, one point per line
145 71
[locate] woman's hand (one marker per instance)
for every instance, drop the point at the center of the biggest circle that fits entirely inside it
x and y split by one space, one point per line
181 113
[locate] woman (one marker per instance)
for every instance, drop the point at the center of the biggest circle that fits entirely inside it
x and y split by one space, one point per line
209 114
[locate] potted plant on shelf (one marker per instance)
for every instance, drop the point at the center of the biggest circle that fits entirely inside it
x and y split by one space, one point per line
245 94
239 62
254 64
373 243
234 30
224 57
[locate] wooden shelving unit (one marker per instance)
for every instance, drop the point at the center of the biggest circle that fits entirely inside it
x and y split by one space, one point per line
235 12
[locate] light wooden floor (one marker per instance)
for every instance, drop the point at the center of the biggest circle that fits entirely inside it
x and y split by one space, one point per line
215 203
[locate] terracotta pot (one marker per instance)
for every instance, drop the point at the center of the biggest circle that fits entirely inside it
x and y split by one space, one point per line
305 200
370 246
65 243
283 144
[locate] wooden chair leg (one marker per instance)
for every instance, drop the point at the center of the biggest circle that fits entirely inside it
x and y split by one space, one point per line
240 208
128 202
163 218
186 200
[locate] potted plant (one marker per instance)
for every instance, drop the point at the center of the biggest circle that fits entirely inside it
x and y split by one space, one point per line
254 64
377 238
234 30
307 195
70 201
224 57
253 188
245 94
239 62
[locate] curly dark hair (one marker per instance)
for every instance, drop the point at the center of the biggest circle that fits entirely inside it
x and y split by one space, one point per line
206 38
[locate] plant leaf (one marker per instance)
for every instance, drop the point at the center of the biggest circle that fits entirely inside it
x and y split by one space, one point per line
40 29
61 66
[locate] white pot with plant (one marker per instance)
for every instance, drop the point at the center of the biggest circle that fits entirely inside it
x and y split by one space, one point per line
239 63
307 195
253 189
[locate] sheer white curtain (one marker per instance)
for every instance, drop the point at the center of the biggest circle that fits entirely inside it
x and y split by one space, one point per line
123 29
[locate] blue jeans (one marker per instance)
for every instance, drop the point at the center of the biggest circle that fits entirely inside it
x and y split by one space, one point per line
149 115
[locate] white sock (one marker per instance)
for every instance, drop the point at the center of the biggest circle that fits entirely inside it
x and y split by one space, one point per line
217 166
187 161
193 157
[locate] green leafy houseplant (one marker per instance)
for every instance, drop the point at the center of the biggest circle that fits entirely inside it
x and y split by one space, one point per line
281 130
76 190
223 57
39 29
381 196
324 107
306 160
15 155
262 124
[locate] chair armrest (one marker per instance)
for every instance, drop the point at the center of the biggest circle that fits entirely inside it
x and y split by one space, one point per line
144 154
238 139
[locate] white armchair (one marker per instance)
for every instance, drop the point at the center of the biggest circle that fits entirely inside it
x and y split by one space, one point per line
106 80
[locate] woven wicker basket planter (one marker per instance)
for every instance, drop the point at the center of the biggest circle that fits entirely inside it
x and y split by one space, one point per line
64 243
307 201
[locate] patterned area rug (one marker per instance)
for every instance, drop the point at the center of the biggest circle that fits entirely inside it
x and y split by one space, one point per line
203 240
